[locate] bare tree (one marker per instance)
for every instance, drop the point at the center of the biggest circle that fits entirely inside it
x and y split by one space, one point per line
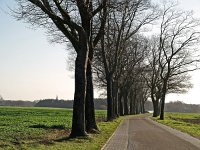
72 20
178 39
125 19
178 83
151 74
130 81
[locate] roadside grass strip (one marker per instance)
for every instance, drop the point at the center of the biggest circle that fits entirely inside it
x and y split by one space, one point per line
185 122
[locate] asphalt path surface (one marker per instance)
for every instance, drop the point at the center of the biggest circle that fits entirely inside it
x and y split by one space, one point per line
140 133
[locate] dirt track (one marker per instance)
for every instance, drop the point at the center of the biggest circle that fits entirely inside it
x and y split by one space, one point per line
139 133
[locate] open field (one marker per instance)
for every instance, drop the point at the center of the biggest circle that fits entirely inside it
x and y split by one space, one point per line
185 122
42 128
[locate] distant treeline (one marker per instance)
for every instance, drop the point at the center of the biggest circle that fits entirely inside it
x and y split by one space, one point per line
99 103
19 103
176 106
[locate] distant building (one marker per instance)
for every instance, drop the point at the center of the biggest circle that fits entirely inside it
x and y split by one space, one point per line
1 98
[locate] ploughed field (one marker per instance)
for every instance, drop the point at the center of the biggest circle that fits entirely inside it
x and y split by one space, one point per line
185 122
19 125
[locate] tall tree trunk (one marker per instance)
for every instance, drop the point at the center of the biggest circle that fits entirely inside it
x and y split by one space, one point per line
109 83
131 102
143 107
78 120
121 107
126 111
162 108
118 99
131 106
109 99
115 99
155 108
91 125
134 104
155 101
116 105
137 106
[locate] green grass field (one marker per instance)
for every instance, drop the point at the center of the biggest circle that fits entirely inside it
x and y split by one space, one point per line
42 128
185 122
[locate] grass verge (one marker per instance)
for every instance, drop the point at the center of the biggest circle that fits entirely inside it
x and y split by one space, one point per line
185 122
48 128
93 142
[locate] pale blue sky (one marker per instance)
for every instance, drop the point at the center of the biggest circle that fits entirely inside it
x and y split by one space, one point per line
31 68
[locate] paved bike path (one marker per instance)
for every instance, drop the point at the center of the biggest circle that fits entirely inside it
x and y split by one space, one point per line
141 133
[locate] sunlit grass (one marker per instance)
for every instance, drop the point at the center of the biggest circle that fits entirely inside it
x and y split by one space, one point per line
17 124
47 128
185 122
93 142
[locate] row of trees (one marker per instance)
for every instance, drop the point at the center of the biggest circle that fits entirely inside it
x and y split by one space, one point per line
120 56
133 67
109 36
173 53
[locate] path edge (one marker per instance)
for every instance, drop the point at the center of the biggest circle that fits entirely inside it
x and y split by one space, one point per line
104 146
184 136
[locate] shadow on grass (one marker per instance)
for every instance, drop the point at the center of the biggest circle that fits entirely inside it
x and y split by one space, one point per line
58 127
53 134
3 145
69 138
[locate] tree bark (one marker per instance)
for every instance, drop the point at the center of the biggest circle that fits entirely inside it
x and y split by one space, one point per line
155 108
91 125
137 106
131 102
131 106
118 99
162 108
126 111
142 106
115 99
116 106
78 120
121 107
134 104
109 99
109 81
